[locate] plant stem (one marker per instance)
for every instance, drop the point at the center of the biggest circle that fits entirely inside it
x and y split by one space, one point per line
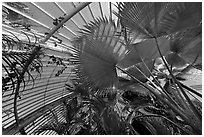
158 96
169 97
154 78
179 85
191 89
177 95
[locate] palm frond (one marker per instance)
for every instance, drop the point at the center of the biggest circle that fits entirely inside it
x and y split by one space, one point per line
142 19
146 50
155 19
193 55
182 16
97 51
175 60
186 47
133 14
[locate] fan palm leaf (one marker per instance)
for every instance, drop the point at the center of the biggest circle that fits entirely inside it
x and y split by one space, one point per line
186 47
146 50
149 20
141 18
193 54
143 52
184 15
97 51
155 19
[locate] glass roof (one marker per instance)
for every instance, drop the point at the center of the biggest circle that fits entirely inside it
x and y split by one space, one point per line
42 14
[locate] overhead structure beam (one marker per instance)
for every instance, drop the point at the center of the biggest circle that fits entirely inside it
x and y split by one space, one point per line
46 13
67 17
63 11
80 14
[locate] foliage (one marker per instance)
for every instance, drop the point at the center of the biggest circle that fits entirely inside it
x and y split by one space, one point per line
58 62
97 62
137 112
119 87
15 55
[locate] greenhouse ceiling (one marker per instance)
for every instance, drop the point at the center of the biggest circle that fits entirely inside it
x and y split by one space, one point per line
42 15
66 64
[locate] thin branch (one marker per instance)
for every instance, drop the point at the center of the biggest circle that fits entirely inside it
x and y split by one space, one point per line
183 116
